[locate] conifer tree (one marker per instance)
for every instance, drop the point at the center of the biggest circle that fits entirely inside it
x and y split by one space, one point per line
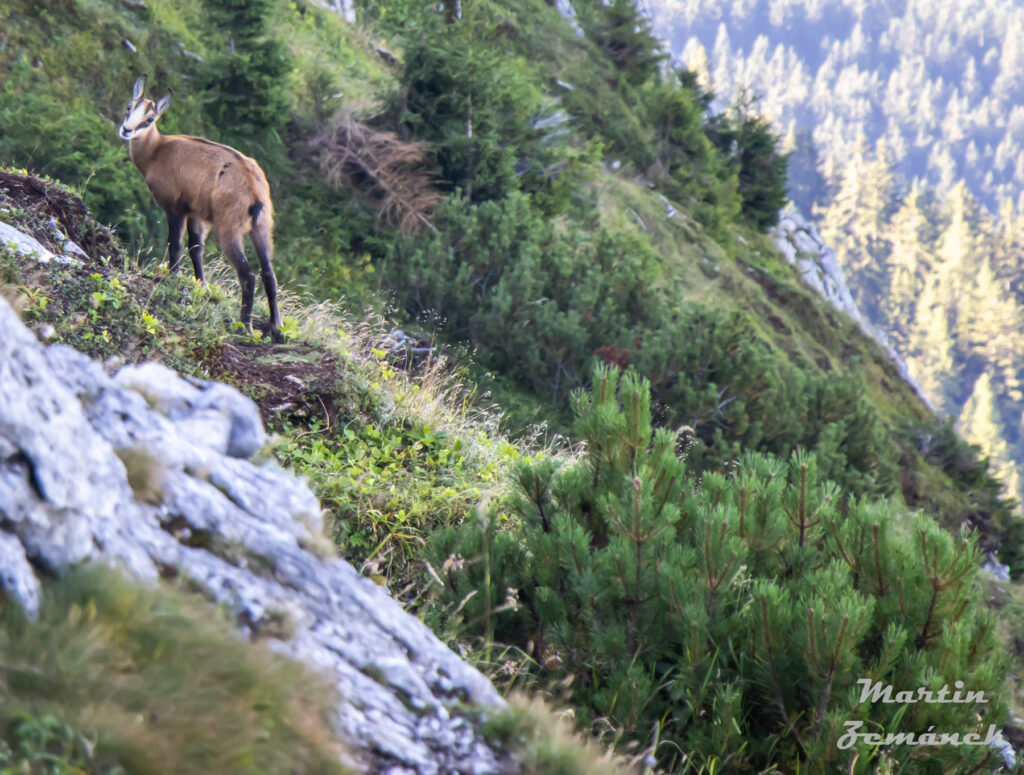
980 423
623 32
929 347
730 619
248 81
909 235
854 224
462 92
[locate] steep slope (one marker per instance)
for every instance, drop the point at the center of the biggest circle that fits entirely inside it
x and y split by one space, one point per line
149 472
903 126
536 188
565 172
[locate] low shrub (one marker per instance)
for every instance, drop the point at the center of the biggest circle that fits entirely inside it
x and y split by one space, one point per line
730 619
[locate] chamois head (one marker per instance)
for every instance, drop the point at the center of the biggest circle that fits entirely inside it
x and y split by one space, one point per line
141 113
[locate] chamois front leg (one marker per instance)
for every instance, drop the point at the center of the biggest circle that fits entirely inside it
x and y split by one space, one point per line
196 243
175 230
235 253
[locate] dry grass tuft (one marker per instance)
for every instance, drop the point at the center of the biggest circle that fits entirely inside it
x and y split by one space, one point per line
145 474
430 394
545 741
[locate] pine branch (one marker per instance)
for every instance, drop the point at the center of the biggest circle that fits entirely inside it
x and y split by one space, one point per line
827 691
878 561
780 704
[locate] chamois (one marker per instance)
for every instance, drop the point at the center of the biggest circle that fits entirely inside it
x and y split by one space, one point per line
197 183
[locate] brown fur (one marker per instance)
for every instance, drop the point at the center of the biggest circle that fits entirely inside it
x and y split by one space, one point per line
199 184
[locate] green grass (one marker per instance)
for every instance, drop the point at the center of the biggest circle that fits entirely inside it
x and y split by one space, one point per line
115 678
66 75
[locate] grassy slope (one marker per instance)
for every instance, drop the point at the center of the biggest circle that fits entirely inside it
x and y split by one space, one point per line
66 71
392 453
195 699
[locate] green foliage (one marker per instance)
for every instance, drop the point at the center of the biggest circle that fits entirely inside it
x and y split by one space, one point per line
387 487
734 617
248 83
752 145
478 106
35 127
535 264
539 295
762 172
542 299
623 34
691 170
393 454
42 744
712 374
113 678
971 475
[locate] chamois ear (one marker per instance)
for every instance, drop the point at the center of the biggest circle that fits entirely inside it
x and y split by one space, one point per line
140 84
163 103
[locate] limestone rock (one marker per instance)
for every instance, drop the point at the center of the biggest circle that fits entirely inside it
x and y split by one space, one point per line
802 246
217 415
27 245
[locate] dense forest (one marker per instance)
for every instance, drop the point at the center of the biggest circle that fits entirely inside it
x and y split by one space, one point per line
938 81
905 130
656 476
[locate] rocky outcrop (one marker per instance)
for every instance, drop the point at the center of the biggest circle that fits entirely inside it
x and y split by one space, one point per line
151 472
802 246
569 13
27 245
345 8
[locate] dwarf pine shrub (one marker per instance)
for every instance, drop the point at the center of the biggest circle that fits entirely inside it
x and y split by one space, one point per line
731 619
543 299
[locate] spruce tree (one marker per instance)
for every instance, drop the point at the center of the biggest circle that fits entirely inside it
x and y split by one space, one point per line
854 224
462 91
623 32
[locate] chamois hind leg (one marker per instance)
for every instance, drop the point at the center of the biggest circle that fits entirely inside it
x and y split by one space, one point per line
263 243
175 229
235 253
196 242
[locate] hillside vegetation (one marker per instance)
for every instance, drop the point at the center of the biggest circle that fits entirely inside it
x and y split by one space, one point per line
562 206
905 128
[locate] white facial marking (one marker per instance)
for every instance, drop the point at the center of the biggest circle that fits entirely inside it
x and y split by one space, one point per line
139 115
